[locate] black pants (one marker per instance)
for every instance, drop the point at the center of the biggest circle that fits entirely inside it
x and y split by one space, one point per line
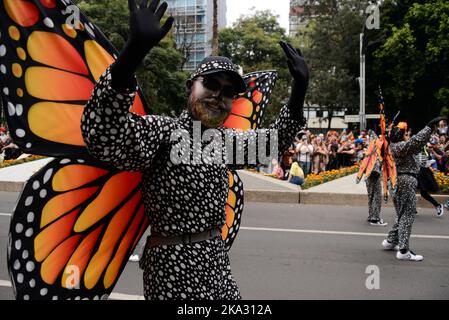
429 198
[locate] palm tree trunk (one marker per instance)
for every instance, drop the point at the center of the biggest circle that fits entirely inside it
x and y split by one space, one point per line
215 29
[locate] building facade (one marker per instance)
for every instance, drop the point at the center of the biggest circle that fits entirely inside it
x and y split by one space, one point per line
296 17
193 27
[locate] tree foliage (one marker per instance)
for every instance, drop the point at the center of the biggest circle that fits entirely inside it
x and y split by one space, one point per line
333 53
160 76
253 43
412 61
407 57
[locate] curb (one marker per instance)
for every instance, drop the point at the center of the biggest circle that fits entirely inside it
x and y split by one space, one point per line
274 196
288 196
282 185
345 199
10 186
259 188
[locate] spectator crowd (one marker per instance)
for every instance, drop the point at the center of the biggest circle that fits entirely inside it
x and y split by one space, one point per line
315 153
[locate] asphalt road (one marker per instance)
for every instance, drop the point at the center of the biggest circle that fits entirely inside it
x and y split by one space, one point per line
295 252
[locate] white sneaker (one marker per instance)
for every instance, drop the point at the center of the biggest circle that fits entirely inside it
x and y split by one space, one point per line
134 258
409 256
389 246
378 223
440 210
446 204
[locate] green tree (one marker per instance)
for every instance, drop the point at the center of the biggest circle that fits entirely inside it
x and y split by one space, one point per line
253 43
333 54
412 61
160 76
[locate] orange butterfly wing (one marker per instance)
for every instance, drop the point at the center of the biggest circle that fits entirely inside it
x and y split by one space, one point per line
48 70
73 229
368 162
76 221
389 172
248 108
234 209
247 112
388 164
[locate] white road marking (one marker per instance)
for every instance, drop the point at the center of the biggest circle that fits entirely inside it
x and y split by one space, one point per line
113 295
5 214
344 233
122 296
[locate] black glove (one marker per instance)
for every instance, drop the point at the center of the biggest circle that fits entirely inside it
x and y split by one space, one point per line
300 73
145 32
435 121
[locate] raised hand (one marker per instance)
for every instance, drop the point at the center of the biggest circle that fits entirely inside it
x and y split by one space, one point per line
300 73
145 31
296 64
145 23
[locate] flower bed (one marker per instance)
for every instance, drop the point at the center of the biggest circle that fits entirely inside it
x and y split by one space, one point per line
313 180
8 163
443 181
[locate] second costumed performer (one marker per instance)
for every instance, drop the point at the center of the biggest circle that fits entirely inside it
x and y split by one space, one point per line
405 152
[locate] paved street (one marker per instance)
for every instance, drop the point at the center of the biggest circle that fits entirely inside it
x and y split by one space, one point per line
293 251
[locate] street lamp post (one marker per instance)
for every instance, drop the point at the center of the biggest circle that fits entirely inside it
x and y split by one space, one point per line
372 21
362 81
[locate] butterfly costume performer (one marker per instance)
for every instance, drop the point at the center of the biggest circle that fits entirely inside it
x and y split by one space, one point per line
378 157
69 95
378 164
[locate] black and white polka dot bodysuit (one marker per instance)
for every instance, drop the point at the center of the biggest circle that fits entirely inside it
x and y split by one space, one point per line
178 198
374 188
405 154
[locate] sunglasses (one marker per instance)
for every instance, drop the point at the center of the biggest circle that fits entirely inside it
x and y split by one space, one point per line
212 84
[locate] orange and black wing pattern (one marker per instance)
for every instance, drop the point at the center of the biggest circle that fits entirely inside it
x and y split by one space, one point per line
249 107
389 172
234 209
368 162
77 220
388 164
49 65
246 114
74 227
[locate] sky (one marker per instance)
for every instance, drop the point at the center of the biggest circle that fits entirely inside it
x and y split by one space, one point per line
235 8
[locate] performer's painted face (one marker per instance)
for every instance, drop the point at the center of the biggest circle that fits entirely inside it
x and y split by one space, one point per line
211 98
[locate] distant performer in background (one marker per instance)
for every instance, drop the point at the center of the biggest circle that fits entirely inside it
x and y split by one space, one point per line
405 151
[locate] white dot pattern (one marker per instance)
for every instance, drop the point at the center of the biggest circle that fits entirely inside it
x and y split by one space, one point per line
183 198
214 65
49 23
